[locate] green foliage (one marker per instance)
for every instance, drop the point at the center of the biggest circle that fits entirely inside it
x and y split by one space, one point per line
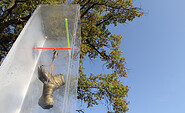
97 42
13 16
98 87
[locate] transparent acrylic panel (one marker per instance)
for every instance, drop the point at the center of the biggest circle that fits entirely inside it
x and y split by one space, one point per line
50 27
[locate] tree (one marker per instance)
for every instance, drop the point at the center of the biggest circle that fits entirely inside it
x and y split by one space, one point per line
97 42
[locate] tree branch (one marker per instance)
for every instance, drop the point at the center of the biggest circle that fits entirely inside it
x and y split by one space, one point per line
103 21
14 21
87 10
12 5
80 2
9 9
80 111
103 55
85 4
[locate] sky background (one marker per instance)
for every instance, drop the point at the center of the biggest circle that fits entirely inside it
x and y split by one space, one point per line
154 48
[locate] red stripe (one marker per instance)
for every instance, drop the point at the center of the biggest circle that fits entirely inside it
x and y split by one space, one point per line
50 48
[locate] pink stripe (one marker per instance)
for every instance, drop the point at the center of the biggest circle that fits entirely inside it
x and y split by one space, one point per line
50 48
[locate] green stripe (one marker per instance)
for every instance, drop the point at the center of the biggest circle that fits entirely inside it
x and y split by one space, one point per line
67 36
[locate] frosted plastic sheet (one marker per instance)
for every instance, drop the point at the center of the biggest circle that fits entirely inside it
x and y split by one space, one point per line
19 84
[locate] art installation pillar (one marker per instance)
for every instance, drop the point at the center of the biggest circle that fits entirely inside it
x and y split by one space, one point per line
39 74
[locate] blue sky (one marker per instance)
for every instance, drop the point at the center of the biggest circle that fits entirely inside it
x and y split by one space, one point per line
154 48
